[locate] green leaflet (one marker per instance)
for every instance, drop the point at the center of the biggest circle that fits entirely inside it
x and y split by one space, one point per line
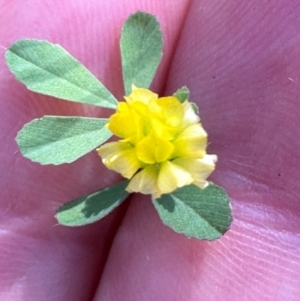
58 139
91 208
195 108
182 94
194 212
49 69
141 50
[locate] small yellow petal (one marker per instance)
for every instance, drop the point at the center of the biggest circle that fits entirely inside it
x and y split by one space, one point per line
166 116
127 123
172 176
161 130
191 142
145 181
119 122
120 157
200 169
172 110
142 95
140 108
153 149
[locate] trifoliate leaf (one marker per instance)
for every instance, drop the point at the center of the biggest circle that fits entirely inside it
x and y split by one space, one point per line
194 212
141 50
182 94
49 69
91 208
58 139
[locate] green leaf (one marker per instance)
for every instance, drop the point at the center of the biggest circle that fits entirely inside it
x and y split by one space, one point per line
58 139
141 50
91 208
194 212
195 108
49 69
182 94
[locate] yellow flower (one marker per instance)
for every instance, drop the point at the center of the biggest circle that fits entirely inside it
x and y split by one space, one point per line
162 146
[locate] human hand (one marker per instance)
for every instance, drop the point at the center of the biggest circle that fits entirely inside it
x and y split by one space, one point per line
241 63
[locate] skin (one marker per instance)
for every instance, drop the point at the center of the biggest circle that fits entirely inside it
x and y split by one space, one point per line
241 62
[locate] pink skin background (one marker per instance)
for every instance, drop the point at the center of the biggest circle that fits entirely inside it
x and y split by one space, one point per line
241 61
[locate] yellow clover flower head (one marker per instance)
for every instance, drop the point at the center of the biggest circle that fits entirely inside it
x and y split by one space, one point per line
162 146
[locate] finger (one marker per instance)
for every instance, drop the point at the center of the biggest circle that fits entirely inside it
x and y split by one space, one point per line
237 60
39 259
